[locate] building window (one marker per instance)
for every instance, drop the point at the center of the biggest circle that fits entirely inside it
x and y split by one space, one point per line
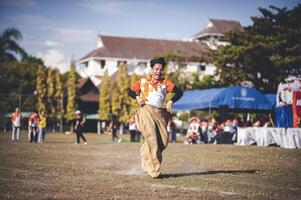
202 67
142 64
102 64
121 62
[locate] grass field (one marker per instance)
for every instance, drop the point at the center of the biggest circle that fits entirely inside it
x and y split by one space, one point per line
60 169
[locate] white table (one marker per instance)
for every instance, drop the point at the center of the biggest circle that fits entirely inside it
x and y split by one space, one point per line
286 138
293 138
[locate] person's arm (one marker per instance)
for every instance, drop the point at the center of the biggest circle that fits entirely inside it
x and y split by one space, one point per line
136 96
178 94
83 121
74 124
134 92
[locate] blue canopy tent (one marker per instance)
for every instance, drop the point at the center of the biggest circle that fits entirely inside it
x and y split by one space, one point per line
240 98
272 98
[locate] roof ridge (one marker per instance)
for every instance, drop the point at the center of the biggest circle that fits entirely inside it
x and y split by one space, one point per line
140 38
225 20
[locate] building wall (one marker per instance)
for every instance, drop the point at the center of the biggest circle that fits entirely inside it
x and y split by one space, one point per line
140 67
95 71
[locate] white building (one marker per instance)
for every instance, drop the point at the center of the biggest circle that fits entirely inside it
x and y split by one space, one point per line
214 32
137 52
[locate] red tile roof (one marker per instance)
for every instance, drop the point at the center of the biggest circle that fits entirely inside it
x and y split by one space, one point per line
81 82
89 97
220 27
141 48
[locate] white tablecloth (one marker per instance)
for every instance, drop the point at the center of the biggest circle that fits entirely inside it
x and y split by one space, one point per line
286 138
293 138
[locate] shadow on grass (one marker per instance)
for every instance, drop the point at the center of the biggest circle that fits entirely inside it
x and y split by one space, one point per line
210 172
58 142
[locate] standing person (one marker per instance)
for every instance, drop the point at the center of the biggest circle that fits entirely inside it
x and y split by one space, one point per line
42 126
78 124
29 128
132 129
204 134
114 126
16 120
234 129
151 118
33 122
227 132
193 132
172 129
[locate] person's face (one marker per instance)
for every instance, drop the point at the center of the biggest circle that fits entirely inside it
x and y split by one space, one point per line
17 110
157 72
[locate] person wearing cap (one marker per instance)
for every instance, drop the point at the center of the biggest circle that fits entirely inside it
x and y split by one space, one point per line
151 117
78 123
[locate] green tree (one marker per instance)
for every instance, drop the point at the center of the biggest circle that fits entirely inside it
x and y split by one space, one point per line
13 84
120 98
104 98
115 105
9 46
65 76
71 92
50 93
58 116
265 53
58 94
175 70
41 88
133 103
202 82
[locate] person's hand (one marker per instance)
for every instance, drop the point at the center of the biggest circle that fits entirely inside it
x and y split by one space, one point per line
169 106
140 101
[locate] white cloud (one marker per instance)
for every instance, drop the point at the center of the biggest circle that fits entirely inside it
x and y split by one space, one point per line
59 34
54 58
106 7
51 43
59 40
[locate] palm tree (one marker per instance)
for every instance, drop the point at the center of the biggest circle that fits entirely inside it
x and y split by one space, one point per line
9 46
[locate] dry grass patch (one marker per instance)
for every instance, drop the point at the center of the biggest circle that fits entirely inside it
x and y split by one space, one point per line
59 169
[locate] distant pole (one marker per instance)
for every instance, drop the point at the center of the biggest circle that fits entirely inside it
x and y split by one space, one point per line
20 99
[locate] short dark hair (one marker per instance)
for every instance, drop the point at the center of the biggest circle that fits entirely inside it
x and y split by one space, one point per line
157 60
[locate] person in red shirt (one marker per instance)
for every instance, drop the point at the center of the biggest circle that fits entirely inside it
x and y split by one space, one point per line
16 120
33 122
151 117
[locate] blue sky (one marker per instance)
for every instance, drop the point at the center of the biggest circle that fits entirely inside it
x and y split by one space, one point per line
55 30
